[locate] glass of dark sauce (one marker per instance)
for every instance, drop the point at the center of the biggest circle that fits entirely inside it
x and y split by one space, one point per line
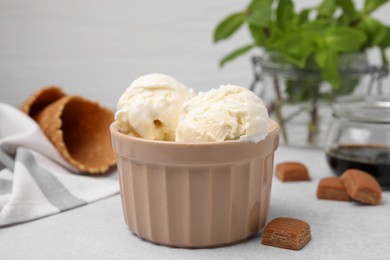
359 136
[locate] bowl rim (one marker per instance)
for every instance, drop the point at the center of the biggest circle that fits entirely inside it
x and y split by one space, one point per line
273 129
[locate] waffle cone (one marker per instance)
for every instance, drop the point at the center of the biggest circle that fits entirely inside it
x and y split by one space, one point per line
41 99
79 129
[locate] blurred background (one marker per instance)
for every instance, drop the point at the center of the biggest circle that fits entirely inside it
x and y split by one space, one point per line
96 48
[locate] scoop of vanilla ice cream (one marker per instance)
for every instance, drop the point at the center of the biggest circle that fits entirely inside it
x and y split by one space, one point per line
227 113
150 107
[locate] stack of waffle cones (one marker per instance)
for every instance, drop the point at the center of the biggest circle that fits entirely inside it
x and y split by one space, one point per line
77 127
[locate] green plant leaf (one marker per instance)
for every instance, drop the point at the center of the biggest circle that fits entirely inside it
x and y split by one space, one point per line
385 43
316 25
228 26
327 8
320 58
348 84
234 54
345 39
348 6
257 34
303 16
284 14
300 89
298 57
327 61
260 17
349 10
295 47
330 71
374 30
372 5
256 4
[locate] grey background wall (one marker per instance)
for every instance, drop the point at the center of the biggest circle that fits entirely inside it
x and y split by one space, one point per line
96 48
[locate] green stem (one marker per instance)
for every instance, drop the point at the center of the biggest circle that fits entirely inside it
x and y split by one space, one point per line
294 114
278 110
313 124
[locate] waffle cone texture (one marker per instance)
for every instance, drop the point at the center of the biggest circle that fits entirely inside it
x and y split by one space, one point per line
77 127
41 99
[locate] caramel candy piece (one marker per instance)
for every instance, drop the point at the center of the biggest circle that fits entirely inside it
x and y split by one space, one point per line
292 171
288 233
332 188
362 186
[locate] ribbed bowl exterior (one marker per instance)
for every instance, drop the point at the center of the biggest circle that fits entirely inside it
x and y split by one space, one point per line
195 196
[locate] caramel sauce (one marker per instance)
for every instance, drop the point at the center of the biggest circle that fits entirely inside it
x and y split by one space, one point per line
374 159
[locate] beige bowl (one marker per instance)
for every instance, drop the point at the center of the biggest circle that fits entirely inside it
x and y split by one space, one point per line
195 195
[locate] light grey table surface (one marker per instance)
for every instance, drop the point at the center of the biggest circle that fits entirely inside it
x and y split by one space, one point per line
340 230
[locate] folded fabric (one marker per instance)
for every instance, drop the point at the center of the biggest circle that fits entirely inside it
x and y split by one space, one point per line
35 181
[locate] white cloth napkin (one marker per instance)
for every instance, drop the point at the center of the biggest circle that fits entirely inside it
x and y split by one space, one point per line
35 181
